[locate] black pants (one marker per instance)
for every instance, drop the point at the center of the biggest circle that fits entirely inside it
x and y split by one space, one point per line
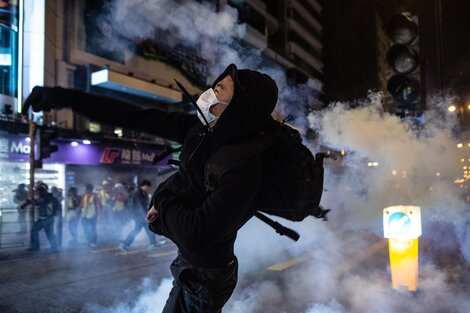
140 223
48 225
200 290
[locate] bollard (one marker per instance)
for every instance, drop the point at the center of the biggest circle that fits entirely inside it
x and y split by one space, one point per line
402 227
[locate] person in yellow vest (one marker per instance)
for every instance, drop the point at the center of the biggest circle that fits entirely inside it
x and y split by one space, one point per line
89 209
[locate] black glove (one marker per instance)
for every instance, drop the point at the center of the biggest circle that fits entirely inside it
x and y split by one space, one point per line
42 99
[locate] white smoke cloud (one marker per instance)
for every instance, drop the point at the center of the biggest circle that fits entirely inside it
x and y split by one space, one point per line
332 307
138 19
151 300
190 23
408 161
213 34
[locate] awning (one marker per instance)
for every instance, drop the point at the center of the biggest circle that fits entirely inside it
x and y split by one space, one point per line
123 83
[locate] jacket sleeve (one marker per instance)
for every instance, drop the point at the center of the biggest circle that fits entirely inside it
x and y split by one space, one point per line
223 212
169 125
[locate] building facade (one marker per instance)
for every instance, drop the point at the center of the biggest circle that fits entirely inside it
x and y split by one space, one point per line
79 44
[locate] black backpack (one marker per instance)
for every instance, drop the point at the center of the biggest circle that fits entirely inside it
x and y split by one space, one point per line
293 177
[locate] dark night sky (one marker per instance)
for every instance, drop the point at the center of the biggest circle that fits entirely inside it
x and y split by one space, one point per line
456 46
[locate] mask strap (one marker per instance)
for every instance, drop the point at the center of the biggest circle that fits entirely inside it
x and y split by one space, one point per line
186 93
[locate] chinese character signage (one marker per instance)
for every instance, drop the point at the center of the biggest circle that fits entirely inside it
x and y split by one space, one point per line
16 148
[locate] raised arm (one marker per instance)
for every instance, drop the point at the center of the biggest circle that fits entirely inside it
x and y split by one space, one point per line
169 125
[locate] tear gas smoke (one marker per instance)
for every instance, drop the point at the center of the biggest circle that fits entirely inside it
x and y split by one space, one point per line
150 300
357 194
213 35
407 159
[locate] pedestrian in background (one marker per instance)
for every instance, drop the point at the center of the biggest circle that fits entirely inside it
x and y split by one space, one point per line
140 205
119 208
20 197
73 214
46 206
106 197
57 193
90 205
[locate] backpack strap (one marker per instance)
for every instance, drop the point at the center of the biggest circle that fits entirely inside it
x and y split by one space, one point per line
280 229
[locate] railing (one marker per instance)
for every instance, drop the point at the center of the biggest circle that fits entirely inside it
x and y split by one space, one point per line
186 58
15 229
14 232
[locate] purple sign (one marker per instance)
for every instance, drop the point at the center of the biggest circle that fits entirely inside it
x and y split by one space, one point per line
16 148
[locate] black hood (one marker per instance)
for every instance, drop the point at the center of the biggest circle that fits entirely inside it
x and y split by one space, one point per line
248 113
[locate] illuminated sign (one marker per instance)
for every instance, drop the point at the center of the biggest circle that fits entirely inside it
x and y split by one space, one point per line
403 222
17 148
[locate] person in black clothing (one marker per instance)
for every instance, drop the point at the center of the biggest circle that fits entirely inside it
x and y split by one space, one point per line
73 214
202 222
140 203
46 206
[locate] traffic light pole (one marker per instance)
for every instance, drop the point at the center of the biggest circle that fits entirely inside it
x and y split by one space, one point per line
32 135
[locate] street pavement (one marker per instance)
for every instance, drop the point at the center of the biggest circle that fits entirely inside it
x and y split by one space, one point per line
71 280
108 280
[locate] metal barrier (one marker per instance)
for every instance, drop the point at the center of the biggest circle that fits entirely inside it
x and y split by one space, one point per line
14 228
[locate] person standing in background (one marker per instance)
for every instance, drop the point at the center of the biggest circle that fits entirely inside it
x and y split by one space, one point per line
106 196
46 206
57 193
73 214
20 198
119 208
89 209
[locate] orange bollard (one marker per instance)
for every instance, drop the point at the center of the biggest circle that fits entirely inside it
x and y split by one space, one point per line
402 227
404 263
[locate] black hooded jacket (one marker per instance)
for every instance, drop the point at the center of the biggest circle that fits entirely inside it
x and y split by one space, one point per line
202 223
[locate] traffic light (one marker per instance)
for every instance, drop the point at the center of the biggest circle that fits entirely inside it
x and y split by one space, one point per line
403 58
45 148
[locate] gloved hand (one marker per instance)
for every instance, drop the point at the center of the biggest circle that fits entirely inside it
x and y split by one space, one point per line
42 99
153 213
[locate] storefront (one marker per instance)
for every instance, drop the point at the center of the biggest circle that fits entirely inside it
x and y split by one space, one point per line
95 163
76 164
14 168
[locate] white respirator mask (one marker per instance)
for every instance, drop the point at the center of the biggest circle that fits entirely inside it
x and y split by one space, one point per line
206 100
